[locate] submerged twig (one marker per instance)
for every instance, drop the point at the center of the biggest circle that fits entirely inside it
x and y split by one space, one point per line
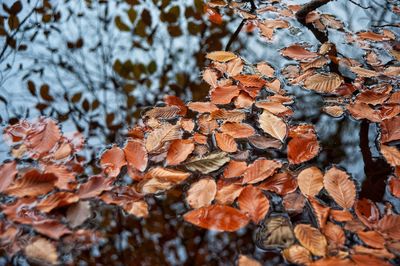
235 34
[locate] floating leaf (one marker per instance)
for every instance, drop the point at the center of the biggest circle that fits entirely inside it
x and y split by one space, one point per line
94 187
201 193
136 154
78 213
221 56
253 202
323 83
51 228
234 169
32 183
391 154
227 194
166 112
304 144
280 183
273 125
297 254
260 170
340 187
310 181
42 250
311 238
159 136
7 173
112 160
209 163
179 150
226 142
298 52
275 232
247 261
390 129
367 212
224 94
57 200
42 141
334 234
217 217
372 239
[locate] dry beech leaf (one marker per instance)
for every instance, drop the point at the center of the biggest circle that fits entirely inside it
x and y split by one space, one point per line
297 254
391 154
372 239
44 140
274 108
360 110
294 202
171 100
42 250
137 208
390 129
7 172
394 186
227 194
112 160
273 125
323 83
167 175
207 164
381 253
32 183
265 69
304 144
262 142
253 202
225 142
228 115
136 154
211 77
340 215
243 100
221 56
179 150
78 213
298 52
340 187
367 212
311 238
335 111
217 217
310 181
275 232
250 80
333 261
202 107
260 170
237 130
165 112
57 200
201 193
321 211
334 234
94 187
224 94
247 261
389 226
51 228
365 259
280 183
159 136
234 169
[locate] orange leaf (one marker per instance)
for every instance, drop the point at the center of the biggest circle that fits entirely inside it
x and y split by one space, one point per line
112 160
250 80
32 183
372 239
273 125
253 202
202 107
179 150
7 173
237 130
201 193
280 183
298 52
310 181
311 238
390 129
94 186
57 200
234 169
224 94
217 217
136 154
260 170
41 142
225 142
340 187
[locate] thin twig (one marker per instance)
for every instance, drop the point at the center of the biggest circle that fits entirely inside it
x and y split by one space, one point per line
357 4
235 35
307 8
253 5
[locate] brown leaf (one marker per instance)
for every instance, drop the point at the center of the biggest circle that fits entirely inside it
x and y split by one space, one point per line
280 183
227 194
381 253
225 142
159 136
250 80
323 83
94 187
262 142
136 154
228 115
237 130
372 239
391 154
42 141
273 125
274 108
304 144
311 238
360 110
56 200
389 226
65 177
42 250
175 101
310 181
321 211
340 187
260 170
297 254
201 193
265 69
179 150
253 202
334 234
165 112
247 261
367 212
394 186
221 56
294 202
390 129
167 175
234 169
365 259
275 232
51 228
224 94
7 173
202 107
32 183
217 217
298 52
78 213
112 160
207 164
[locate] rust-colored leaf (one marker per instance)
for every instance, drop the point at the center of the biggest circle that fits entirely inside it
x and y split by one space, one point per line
42 141
372 239
265 69
247 261
7 174
227 194
202 107
334 234
273 125
224 94
310 181
389 226
391 154
217 217
297 254
298 52
304 144
226 142
360 110
250 80
112 160
323 83
32 183
340 187
253 202
280 183
294 202
56 200
365 259
390 129
237 130
179 150
235 169
394 186
367 212
159 136
136 154
321 211
221 56
260 170
311 238
51 228
94 187
201 193
78 213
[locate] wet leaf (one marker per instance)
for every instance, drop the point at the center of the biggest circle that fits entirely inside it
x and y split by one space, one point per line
334 234
159 136
276 232
94 187
310 181
226 142
224 94
247 261
320 211
136 154
227 194
202 107
280 183
234 169
372 239
323 83
7 173
112 160
56 200
32 183
260 170
217 217
207 164
391 154
201 193
179 150
42 141
297 254
311 238
367 212
298 52
51 228
237 130
253 202
42 250
78 213
273 125
294 203
304 144
221 56
340 187
390 129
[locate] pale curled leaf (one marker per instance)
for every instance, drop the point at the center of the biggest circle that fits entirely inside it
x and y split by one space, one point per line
201 193
340 187
273 125
311 238
208 163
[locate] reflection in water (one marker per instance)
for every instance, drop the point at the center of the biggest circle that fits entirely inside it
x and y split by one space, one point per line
92 65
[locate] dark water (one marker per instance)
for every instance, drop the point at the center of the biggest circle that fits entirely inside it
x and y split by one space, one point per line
95 75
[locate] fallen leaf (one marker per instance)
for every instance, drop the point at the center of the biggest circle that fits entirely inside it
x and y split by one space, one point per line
221 56
7 172
372 239
323 83
273 125
57 200
207 164
297 254
32 183
247 261
390 129
136 154
159 136
340 187
94 187
253 202
275 232
179 150
201 193
310 181
260 170
78 213
237 130
225 142
112 160
234 169
298 52
311 238
42 250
